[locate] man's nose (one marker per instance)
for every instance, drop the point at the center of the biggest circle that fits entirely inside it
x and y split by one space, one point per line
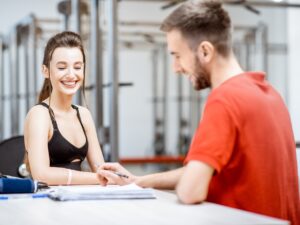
177 67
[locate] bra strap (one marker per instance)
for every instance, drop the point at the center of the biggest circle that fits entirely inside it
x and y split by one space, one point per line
51 113
78 116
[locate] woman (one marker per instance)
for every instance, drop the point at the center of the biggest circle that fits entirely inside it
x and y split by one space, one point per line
59 135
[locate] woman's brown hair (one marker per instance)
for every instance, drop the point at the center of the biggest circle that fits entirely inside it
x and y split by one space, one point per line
66 39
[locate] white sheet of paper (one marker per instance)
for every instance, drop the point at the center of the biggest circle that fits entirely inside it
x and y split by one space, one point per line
94 192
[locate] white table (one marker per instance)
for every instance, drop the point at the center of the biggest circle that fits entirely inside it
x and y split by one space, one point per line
161 211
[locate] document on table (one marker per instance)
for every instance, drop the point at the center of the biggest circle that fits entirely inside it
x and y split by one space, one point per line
94 192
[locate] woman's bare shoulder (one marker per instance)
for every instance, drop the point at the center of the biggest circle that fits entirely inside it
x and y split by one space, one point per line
84 111
37 113
85 115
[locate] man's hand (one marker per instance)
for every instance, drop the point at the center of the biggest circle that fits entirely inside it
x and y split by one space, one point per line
114 173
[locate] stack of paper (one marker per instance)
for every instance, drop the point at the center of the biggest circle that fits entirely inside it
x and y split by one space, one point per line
94 192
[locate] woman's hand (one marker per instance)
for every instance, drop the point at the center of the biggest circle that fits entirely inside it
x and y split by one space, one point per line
114 173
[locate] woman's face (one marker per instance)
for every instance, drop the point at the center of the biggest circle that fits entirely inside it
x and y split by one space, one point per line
66 70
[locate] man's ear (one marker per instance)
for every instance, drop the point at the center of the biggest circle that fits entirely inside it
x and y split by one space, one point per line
45 71
205 52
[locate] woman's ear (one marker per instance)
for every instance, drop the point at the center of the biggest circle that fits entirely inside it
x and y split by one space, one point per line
45 71
205 52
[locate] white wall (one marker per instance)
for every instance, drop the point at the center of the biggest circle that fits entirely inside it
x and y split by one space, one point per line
294 69
275 19
13 11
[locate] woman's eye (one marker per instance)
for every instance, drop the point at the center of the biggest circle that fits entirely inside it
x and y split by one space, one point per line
61 68
77 68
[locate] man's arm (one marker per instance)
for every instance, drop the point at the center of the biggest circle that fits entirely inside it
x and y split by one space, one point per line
193 185
163 180
191 181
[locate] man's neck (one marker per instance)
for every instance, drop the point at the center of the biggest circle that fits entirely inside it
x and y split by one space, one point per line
223 69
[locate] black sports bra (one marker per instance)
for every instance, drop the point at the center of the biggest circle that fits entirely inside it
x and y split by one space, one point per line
61 151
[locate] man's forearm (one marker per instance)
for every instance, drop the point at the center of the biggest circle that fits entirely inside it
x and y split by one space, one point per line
163 180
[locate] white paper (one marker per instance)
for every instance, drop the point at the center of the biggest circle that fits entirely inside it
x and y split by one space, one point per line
90 192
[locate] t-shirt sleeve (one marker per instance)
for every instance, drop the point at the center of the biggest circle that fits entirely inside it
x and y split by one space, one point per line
214 139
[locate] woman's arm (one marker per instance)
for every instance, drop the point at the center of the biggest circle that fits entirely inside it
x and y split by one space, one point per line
36 135
94 156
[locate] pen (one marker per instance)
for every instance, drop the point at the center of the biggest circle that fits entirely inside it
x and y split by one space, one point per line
23 196
117 173
121 174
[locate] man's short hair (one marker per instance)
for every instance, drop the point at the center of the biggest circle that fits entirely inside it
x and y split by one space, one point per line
201 21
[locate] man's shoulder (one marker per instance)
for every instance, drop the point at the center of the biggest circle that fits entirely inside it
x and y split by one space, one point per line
239 86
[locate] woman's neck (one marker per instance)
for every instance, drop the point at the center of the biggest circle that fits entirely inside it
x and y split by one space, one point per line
60 103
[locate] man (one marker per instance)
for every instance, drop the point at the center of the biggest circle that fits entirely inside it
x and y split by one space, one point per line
243 152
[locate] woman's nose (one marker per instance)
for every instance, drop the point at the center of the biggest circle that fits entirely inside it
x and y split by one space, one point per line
71 73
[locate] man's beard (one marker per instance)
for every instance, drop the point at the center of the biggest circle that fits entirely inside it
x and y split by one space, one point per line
202 77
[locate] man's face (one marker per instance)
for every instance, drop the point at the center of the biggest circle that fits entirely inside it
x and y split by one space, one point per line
186 62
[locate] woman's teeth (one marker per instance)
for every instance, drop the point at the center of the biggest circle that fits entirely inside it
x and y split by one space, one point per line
69 83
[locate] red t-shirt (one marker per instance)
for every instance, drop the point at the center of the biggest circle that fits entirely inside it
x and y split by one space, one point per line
246 135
